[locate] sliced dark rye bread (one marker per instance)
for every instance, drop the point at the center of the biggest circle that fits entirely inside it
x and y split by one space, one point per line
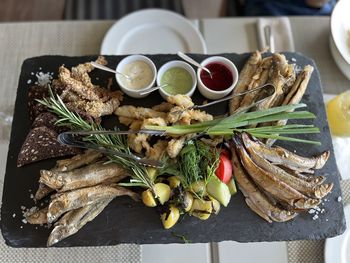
34 107
41 92
48 120
41 144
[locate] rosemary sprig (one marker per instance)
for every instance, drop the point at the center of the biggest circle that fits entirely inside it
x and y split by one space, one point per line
72 120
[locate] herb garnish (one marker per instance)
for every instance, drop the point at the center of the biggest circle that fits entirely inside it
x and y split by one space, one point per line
72 120
239 122
197 162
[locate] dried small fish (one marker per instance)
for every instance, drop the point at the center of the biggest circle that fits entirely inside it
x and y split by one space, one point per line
299 87
74 220
77 161
285 87
260 78
278 189
304 187
281 73
245 77
90 175
281 156
316 180
38 217
67 201
43 190
255 199
295 94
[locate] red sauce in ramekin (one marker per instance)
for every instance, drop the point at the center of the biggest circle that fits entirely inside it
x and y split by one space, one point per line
222 77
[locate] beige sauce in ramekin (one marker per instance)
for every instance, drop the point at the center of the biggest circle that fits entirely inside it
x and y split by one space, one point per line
141 75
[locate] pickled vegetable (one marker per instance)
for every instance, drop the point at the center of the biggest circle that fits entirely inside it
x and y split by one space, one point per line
169 219
148 198
188 202
201 209
162 192
198 188
152 173
174 181
219 190
216 205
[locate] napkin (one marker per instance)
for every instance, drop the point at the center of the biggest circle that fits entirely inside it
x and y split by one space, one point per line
281 31
342 155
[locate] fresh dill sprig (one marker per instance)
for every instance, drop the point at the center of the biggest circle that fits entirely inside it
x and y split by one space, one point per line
197 162
74 121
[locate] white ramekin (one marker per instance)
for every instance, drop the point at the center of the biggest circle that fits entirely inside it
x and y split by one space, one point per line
213 94
131 92
176 64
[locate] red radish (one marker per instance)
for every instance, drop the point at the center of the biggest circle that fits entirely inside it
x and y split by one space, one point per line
224 170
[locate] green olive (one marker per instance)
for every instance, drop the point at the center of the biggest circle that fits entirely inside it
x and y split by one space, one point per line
188 201
201 209
170 219
162 192
148 198
174 181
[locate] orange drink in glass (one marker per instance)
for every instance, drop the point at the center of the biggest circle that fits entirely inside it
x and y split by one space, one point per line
338 112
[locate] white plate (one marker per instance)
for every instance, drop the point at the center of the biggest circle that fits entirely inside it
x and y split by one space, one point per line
340 28
337 249
153 31
339 60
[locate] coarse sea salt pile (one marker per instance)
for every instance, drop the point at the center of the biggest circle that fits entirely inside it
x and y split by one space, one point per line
42 79
316 211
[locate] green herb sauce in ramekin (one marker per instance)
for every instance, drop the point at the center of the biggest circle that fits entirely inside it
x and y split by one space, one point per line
179 81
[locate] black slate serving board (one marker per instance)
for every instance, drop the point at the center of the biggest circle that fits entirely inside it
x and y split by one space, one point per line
125 221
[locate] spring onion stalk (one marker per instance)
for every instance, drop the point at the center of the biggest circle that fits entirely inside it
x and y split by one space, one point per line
239 122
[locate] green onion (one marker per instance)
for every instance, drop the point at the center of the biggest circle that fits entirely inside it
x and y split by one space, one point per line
238 122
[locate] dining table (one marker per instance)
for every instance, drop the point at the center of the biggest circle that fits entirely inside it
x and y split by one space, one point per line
19 41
